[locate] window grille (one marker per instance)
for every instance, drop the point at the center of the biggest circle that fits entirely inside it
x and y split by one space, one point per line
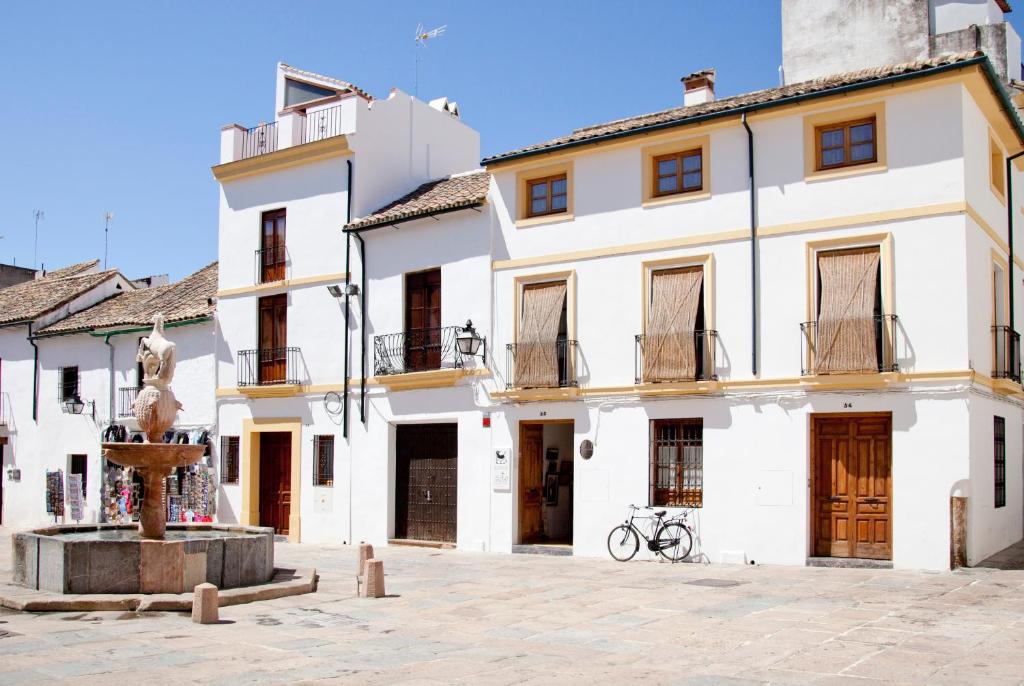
999 449
677 463
67 383
323 450
229 459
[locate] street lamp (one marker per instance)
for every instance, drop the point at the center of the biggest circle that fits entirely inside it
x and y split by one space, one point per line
74 405
469 341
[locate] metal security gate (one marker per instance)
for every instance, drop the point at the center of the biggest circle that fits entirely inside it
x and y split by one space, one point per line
426 482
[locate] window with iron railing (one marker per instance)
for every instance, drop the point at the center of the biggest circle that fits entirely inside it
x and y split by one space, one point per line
999 454
323 453
229 459
677 463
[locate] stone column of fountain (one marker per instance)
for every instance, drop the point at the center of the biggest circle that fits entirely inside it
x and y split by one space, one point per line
155 409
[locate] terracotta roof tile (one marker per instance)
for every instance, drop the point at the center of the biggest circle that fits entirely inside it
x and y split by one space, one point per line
72 270
680 115
186 299
32 299
327 79
452 192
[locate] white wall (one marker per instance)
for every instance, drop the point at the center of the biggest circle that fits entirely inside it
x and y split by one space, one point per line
953 15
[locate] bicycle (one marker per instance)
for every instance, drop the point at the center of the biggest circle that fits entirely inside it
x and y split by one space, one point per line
671 537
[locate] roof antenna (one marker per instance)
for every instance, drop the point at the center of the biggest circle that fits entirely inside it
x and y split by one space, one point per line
106 233
39 215
421 41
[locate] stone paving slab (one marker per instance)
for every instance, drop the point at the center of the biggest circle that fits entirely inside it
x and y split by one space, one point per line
457 617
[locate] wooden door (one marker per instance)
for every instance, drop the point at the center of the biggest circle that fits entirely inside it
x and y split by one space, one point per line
275 480
272 250
423 321
426 482
273 339
531 482
852 485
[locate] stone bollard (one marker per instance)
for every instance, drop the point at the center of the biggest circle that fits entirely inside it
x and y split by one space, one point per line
204 604
373 579
365 553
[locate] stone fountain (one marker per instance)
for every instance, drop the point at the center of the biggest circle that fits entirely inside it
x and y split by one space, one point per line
152 558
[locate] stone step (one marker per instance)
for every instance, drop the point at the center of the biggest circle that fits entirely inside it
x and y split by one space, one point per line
848 563
542 549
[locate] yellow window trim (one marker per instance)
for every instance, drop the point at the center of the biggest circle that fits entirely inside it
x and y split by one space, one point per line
706 261
999 262
836 116
996 152
523 179
884 243
647 155
569 276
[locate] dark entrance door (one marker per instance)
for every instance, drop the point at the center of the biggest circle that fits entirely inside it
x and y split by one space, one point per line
852 504
272 251
275 479
423 321
273 339
426 481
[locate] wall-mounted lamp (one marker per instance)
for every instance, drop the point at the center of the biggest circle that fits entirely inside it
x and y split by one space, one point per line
75 405
469 341
337 291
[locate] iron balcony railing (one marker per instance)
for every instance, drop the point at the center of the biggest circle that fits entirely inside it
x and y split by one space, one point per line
704 344
267 366
1005 353
325 123
270 264
839 349
531 365
259 140
416 350
126 396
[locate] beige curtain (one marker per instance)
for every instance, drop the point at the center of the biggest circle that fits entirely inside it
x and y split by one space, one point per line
669 351
845 341
536 351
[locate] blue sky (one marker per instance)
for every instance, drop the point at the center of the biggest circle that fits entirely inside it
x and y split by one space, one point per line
117 106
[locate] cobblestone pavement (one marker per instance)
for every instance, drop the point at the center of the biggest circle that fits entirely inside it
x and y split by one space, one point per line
477 618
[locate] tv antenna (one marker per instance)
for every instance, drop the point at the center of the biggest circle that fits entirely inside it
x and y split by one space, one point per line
107 218
39 215
421 42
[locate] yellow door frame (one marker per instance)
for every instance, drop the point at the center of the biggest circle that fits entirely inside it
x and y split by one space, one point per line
251 430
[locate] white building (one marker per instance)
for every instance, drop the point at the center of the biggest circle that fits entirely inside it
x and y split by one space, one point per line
67 362
792 311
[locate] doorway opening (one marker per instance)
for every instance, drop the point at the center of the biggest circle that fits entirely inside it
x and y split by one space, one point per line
275 480
426 482
851 485
546 483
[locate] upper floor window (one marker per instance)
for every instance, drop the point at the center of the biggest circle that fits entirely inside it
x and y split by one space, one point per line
67 378
846 144
678 173
542 356
997 176
549 195
272 256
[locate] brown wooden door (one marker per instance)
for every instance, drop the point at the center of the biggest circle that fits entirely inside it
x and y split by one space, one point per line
853 486
272 250
531 482
423 321
275 480
426 482
273 338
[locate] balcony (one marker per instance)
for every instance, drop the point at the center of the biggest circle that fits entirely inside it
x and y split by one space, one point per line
416 350
271 264
669 364
268 367
293 129
321 124
541 365
1005 353
851 346
259 140
126 396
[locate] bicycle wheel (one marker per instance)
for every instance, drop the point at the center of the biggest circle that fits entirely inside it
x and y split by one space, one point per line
623 543
674 541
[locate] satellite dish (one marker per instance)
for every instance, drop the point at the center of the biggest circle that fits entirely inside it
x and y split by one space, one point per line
332 403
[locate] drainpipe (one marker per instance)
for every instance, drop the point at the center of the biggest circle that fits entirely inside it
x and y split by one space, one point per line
110 400
362 330
1009 228
753 248
348 308
35 375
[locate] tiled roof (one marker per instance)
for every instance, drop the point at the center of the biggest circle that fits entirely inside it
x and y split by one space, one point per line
452 192
186 299
681 115
32 299
72 270
326 79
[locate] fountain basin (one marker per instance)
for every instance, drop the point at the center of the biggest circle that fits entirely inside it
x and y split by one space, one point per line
116 559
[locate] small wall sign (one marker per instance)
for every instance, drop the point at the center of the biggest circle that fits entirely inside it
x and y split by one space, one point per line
587 449
501 474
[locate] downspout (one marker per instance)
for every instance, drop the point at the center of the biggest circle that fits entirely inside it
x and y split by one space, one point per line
362 329
753 247
348 308
110 399
1009 228
35 375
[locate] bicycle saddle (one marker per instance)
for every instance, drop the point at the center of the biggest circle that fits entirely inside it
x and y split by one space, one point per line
659 513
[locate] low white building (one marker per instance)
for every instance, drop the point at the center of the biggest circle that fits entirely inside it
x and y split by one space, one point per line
67 350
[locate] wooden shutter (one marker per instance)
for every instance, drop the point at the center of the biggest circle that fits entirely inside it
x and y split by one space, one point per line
669 344
537 349
845 340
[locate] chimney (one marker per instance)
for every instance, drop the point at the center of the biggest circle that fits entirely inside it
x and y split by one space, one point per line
698 87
